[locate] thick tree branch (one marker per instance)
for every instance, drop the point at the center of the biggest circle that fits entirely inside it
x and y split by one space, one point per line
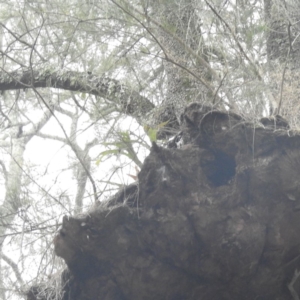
128 101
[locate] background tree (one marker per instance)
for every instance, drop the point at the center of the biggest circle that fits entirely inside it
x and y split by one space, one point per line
94 78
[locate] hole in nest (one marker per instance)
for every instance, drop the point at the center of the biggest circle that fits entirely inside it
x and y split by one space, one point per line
219 168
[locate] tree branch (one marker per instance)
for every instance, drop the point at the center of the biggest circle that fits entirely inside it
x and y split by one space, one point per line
128 101
199 59
255 69
14 267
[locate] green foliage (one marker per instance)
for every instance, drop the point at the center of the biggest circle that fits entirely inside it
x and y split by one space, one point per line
123 145
152 131
107 153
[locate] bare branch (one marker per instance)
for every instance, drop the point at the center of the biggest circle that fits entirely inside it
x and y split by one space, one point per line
199 59
3 169
256 70
37 127
22 41
14 267
51 137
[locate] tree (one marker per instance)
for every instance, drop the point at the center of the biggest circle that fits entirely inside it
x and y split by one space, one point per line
84 65
217 218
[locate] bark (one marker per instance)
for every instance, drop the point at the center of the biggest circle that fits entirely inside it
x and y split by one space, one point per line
215 219
125 100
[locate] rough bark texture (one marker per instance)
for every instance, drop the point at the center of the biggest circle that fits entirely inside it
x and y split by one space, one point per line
217 219
128 101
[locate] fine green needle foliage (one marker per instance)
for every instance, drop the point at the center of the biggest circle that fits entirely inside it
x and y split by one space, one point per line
152 132
123 145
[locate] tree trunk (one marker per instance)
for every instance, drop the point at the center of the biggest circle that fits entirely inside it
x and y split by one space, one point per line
216 219
182 68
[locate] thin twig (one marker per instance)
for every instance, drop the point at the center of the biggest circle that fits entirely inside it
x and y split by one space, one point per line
178 39
236 40
167 56
14 267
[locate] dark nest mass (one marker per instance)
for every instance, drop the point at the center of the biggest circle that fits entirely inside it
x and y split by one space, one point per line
217 218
